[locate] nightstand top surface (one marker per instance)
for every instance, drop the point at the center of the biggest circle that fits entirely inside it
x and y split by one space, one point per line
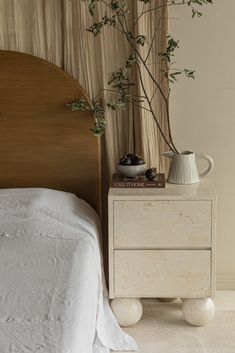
202 191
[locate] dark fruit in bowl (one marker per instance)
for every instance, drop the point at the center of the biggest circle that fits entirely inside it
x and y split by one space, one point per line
125 160
131 156
131 165
151 173
138 160
131 159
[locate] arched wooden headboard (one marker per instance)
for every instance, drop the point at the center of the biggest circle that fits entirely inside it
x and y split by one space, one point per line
42 142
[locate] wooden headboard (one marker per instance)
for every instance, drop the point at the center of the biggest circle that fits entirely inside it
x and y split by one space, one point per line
42 142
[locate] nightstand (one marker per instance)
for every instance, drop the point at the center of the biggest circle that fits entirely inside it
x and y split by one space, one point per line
162 245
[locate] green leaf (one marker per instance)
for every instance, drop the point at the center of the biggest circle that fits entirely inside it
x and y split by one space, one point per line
112 21
97 110
117 106
106 20
172 45
130 35
100 127
91 6
96 28
117 5
172 76
196 13
189 73
131 60
200 2
80 104
141 39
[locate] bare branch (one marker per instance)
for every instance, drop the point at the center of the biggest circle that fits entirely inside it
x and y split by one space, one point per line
140 106
169 144
155 33
143 62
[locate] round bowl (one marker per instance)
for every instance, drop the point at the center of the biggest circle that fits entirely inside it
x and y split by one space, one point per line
131 171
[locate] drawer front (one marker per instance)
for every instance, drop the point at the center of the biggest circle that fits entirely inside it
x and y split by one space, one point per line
148 224
162 273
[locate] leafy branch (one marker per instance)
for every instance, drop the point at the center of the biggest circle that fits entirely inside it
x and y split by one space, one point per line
98 111
121 89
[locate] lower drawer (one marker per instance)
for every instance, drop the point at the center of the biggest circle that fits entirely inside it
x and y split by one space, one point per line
162 273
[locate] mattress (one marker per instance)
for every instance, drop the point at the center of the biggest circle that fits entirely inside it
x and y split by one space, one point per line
53 297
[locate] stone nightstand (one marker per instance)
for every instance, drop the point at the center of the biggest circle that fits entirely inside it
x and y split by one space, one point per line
162 245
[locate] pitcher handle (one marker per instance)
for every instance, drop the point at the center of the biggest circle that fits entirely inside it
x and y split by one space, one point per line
210 161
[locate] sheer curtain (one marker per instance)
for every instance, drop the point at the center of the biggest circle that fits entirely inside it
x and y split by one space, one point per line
152 145
56 31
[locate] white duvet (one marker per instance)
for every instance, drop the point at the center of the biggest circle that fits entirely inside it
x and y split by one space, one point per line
51 295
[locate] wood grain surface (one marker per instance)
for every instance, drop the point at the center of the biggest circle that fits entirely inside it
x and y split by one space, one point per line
42 142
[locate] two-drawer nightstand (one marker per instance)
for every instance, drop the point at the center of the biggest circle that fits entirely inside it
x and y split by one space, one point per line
162 245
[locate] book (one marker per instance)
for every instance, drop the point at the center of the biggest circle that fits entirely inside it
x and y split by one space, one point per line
119 181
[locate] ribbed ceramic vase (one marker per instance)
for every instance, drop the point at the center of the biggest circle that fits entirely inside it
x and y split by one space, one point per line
183 168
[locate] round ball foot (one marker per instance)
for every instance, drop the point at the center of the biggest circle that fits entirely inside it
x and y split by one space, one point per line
198 312
167 300
128 311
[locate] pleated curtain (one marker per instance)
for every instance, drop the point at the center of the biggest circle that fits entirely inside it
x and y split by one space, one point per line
55 30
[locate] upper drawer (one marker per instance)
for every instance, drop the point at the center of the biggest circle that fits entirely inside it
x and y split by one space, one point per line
162 224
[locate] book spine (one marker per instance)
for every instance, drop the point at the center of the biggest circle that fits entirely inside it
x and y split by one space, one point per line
137 184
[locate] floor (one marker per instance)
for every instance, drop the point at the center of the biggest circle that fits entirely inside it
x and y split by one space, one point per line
162 328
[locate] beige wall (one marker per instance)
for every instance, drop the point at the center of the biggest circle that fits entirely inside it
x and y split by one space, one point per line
203 111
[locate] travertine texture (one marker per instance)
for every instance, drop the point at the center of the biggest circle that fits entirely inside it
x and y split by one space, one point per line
162 224
162 242
198 312
162 273
128 311
163 329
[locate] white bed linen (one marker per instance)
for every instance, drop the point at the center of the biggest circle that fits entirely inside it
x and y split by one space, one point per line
51 295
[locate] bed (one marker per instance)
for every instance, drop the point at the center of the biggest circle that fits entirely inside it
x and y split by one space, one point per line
53 297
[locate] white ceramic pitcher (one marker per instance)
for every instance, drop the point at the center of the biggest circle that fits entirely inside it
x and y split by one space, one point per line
183 168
